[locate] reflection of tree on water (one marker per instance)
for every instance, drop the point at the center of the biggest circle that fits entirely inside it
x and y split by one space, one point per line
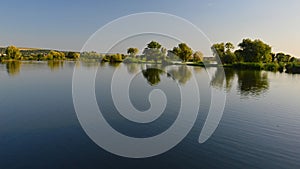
91 64
13 68
152 75
114 64
179 73
197 69
55 65
182 74
221 76
250 82
132 67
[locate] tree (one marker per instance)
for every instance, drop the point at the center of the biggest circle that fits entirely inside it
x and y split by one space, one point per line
132 51
154 45
255 51
152 51
13 52
73 55
238 55
224 52
229 46
116 58
183 51
229 57
218 50
198 56
55 55
281 57
293 59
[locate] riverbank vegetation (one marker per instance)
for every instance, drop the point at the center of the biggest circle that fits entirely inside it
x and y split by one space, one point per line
255 55
12 53
251 54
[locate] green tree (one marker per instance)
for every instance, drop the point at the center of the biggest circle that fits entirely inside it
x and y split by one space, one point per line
229 46
218 50
54 55
152 51
281 57
198 56
224 52
13 52
132 51
293 59
229 57
154 45
183 51
73 55
255 51
116 58
238 55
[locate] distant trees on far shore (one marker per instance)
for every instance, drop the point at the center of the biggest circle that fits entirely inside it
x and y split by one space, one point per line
14 53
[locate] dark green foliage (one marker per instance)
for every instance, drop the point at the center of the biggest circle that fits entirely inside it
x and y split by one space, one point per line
224 52
281 57
293 67
73 55
255 51
154 45
252 82
250 66
152 75
132 51
183 51
271 66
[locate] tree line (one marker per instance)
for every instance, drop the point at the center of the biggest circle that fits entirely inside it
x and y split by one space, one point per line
249 51
154 51
14 53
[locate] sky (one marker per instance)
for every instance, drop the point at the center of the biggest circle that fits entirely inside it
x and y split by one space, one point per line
67 25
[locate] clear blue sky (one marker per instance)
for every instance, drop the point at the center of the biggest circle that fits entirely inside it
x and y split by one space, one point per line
66 25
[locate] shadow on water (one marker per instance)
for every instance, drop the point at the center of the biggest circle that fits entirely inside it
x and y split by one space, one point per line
13 68
55 65
250 82
180 74
152 75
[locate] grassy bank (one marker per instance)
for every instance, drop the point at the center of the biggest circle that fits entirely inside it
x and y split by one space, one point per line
257 66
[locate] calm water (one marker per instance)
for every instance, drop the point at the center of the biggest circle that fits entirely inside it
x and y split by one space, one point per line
260 127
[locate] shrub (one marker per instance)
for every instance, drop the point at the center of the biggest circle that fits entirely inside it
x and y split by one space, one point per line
271 66
293 67
250 65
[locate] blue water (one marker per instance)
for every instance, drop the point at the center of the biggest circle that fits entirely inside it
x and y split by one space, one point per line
260 127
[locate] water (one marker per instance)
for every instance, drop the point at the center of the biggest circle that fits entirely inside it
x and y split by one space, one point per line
260 127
